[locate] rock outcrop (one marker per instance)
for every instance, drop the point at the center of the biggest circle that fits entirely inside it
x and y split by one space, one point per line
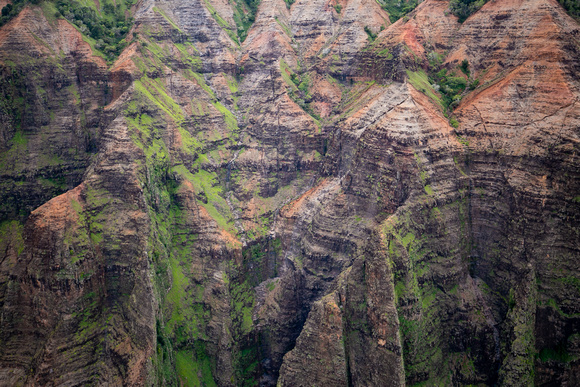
292 194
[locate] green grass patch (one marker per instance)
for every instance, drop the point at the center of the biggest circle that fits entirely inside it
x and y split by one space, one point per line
156 93
232 83
408 239
224 24
285 28
187 369
242 306
194 62
385 53
203 183
201 82
287 73
230 119
19 139
11 234
420 81
167 18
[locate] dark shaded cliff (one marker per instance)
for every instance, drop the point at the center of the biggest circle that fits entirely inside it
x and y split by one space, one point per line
291 193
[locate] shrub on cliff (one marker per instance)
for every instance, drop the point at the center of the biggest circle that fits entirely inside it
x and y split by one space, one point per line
108 25
11 10
398 8
465 8
572 7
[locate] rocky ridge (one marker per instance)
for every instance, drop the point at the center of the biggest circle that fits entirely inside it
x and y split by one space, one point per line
320 203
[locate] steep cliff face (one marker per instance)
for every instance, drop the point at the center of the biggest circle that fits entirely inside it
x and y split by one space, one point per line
292 193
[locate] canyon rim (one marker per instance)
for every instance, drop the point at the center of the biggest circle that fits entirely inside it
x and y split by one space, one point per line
289 193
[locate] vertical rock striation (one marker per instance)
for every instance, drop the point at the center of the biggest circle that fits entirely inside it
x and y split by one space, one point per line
292 193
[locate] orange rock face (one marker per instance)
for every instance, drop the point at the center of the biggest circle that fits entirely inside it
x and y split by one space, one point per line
334 200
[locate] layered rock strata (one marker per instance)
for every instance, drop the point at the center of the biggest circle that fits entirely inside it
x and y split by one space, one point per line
292 195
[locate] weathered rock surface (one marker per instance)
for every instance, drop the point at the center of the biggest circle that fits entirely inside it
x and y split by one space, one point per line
284 201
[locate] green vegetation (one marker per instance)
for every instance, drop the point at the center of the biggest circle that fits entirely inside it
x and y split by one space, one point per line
183 326
155 92
299 88
89 317
162 13
465 67
420 81
372 36
258 265
186 368
462 140
419 301
11 10
522 351
559 354
271 285
473 84
205 184
243 303
247 365
244 16
11 236
220 20
465 8
19 139
182 358
450 87
191 364
443 86
571 281
407 239
398 8
572 7
385 53
78 242
106 27
246 356
181 336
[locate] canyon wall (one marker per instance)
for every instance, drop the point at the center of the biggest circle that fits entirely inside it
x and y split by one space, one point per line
292 193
